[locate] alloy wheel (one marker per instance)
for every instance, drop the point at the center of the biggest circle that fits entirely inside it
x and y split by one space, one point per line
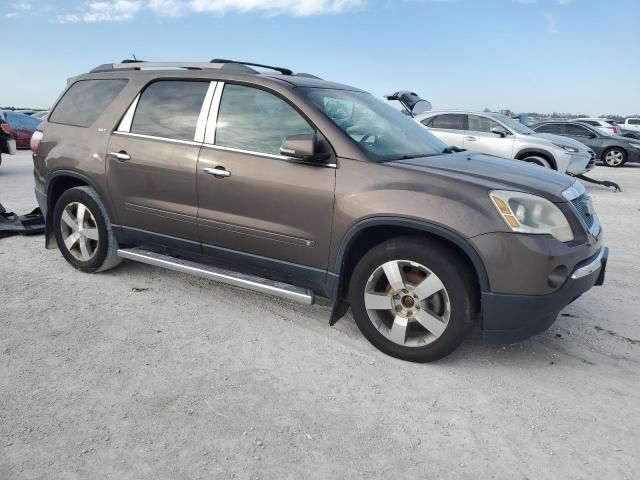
614 158
79 231
407 303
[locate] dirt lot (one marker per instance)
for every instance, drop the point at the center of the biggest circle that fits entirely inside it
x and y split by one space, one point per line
189 379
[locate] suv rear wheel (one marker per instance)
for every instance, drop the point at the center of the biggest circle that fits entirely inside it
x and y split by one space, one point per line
412 298
83 231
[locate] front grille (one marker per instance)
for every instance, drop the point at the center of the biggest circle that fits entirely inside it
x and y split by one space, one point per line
585 209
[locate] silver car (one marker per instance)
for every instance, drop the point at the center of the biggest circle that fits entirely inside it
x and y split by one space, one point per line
501 136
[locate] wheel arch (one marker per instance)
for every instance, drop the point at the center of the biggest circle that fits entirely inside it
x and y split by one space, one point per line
526 152
372 231
59 182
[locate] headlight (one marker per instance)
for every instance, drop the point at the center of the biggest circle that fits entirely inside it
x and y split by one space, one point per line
527 213
567 148
634 145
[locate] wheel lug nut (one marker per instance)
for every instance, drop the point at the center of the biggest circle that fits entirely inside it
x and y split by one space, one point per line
398 308
417 307
396 297
409 313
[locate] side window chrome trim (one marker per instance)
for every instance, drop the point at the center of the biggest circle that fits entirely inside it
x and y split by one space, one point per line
161 139
210 131
127 120
268 155
204 113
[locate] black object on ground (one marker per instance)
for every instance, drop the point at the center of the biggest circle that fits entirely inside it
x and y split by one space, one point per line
30 224
604 183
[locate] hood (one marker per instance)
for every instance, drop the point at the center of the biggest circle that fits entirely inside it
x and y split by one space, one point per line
563 140
494 173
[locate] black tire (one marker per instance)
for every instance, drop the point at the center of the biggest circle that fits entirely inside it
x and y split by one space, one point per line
105 256
540 161
609 161
442 261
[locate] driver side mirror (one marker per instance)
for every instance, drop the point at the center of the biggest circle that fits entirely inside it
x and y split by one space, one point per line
500 131
301 147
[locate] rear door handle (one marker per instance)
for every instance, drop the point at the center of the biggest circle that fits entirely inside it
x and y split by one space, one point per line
121 155
219 172
471 139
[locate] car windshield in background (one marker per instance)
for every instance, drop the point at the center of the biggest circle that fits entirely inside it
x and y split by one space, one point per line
513 124
380 130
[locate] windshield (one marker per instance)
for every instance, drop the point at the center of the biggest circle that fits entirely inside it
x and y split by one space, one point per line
380 130
513 124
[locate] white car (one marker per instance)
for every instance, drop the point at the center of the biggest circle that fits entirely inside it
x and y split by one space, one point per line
603 124
632 124
501 136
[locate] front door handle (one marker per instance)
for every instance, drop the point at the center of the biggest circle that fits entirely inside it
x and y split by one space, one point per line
121 155
471 139
219 172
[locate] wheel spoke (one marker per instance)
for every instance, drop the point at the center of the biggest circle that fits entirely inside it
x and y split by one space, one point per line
66 218
71 240
394 274
429 286
84 249
432 323
399 330
377 301
91 233
80 214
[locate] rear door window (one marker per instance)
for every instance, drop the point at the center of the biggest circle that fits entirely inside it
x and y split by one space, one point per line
449 121
84 101
551 128
170 109
576 131
258 121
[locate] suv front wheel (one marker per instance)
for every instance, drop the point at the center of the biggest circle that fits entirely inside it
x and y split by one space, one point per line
413 298
83 231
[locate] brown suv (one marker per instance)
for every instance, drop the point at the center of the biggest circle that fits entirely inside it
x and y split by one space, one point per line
291 185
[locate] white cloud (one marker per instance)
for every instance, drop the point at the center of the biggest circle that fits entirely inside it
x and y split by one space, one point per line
122 10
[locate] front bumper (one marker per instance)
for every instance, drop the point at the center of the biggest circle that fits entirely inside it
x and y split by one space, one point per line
8 146
508 318
580 163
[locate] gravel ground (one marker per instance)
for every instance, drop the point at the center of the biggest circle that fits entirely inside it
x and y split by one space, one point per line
188 379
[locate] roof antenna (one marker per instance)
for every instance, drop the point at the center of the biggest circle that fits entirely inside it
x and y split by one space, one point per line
134 57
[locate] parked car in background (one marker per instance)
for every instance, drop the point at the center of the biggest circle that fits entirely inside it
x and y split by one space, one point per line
296 186
612 150
22 127
603 124
631 124
7 142
40 114
630 133
501 136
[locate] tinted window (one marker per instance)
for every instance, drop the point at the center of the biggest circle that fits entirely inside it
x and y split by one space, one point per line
252 119
481 124
449 121
551 128
590 122
85 100
382 132
170 109
576 131
633 122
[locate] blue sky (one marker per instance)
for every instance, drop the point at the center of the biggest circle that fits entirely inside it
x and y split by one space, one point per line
580 56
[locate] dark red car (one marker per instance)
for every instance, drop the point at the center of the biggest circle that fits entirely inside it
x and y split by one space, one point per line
22 127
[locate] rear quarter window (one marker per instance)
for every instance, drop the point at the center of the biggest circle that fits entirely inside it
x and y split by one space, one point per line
84 101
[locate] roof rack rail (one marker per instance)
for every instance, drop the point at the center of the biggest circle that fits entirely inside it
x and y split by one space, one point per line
284 71
139 65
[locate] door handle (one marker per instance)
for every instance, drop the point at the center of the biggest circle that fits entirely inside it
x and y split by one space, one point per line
471 139
219 172
121 155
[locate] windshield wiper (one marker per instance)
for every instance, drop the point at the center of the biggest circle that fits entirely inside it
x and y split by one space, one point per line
453 150
408 157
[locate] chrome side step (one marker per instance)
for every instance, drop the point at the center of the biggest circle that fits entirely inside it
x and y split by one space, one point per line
250 282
